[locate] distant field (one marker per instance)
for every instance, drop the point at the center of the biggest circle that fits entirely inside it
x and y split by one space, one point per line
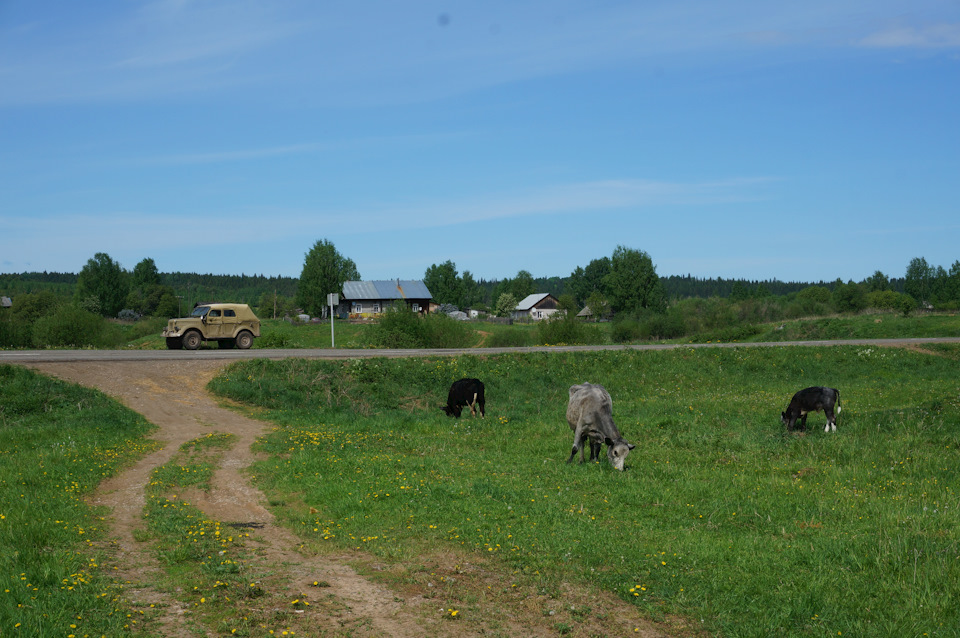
721 517
282 334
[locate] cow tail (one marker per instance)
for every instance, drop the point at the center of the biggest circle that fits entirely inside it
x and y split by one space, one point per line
838 401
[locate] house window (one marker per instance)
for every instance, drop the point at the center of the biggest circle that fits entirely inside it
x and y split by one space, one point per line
376 307
358 307
416 307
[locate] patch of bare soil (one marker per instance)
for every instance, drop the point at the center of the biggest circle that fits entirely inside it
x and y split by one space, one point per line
403 600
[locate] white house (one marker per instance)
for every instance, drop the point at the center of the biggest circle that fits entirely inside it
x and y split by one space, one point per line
537 306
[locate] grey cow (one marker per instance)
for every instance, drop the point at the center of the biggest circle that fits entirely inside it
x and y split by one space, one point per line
812 399
590 415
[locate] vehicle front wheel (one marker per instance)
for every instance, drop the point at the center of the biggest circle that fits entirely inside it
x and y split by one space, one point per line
174 343
244 340
192 340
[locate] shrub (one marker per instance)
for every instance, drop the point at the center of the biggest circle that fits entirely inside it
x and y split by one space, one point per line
510 337
668 325
69 326
400 327
625 330
562 328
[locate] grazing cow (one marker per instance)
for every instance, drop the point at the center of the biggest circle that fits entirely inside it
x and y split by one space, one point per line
812 400
590 415
465 392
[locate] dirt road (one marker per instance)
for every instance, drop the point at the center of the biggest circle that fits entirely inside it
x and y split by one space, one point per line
354 605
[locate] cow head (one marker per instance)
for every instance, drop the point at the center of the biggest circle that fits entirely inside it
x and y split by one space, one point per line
454 411
617 452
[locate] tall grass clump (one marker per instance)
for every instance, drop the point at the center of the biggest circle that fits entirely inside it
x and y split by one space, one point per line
57 442
721 517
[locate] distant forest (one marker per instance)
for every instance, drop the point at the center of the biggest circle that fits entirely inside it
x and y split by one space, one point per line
194 287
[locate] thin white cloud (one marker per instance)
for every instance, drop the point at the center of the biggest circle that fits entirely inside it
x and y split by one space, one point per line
936 36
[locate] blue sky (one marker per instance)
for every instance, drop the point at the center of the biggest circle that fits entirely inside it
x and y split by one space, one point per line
796 141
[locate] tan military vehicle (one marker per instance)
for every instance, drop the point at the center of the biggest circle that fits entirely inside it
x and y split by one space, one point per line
229 324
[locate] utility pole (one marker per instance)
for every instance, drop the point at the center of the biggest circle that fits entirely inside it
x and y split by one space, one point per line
333 299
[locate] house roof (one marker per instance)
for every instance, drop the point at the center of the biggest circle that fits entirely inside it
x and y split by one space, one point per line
531 301
388 289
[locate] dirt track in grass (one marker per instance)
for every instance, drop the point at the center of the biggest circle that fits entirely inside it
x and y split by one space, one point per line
361 595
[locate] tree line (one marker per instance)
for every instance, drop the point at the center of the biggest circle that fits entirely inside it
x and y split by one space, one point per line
624 284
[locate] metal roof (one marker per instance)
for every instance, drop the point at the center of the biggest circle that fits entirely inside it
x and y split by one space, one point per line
531 300
389 289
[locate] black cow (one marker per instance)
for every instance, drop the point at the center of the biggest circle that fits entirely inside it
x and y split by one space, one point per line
462 393
812 399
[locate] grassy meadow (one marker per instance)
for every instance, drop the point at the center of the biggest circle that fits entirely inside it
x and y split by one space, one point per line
721 516
57 442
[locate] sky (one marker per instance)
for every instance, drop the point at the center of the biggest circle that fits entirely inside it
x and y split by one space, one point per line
798 141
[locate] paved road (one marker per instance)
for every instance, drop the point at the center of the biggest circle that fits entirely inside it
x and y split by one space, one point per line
52 356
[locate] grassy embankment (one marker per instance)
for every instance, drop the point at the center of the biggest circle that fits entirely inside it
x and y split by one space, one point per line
57 442
721 516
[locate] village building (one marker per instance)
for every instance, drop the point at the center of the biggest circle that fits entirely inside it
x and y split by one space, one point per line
536 307
364 299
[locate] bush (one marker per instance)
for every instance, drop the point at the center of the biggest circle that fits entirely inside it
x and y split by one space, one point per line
561 328
625 330
510 337
400 327
69 326
669 325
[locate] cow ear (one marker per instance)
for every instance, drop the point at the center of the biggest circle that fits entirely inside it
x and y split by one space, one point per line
630 446
608 441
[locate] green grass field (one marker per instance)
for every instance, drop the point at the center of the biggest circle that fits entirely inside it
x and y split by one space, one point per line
57 442
721 516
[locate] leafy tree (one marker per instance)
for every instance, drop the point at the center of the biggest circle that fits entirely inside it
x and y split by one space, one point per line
598 305
472 293
145 275
878 282
102 284
918 282
324 271
632 283
506 303
444 284
147 290
818 294
849 297
522 285
584 281
31 306
168 306
739 291
275 305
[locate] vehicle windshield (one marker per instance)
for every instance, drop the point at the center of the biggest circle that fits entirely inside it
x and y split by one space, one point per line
200 311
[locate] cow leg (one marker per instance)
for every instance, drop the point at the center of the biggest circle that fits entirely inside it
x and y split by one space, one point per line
594 451
578 437
831 421
473 405
803 422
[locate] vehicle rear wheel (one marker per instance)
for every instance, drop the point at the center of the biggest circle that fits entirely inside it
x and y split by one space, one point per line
192 340
174 343
244 340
